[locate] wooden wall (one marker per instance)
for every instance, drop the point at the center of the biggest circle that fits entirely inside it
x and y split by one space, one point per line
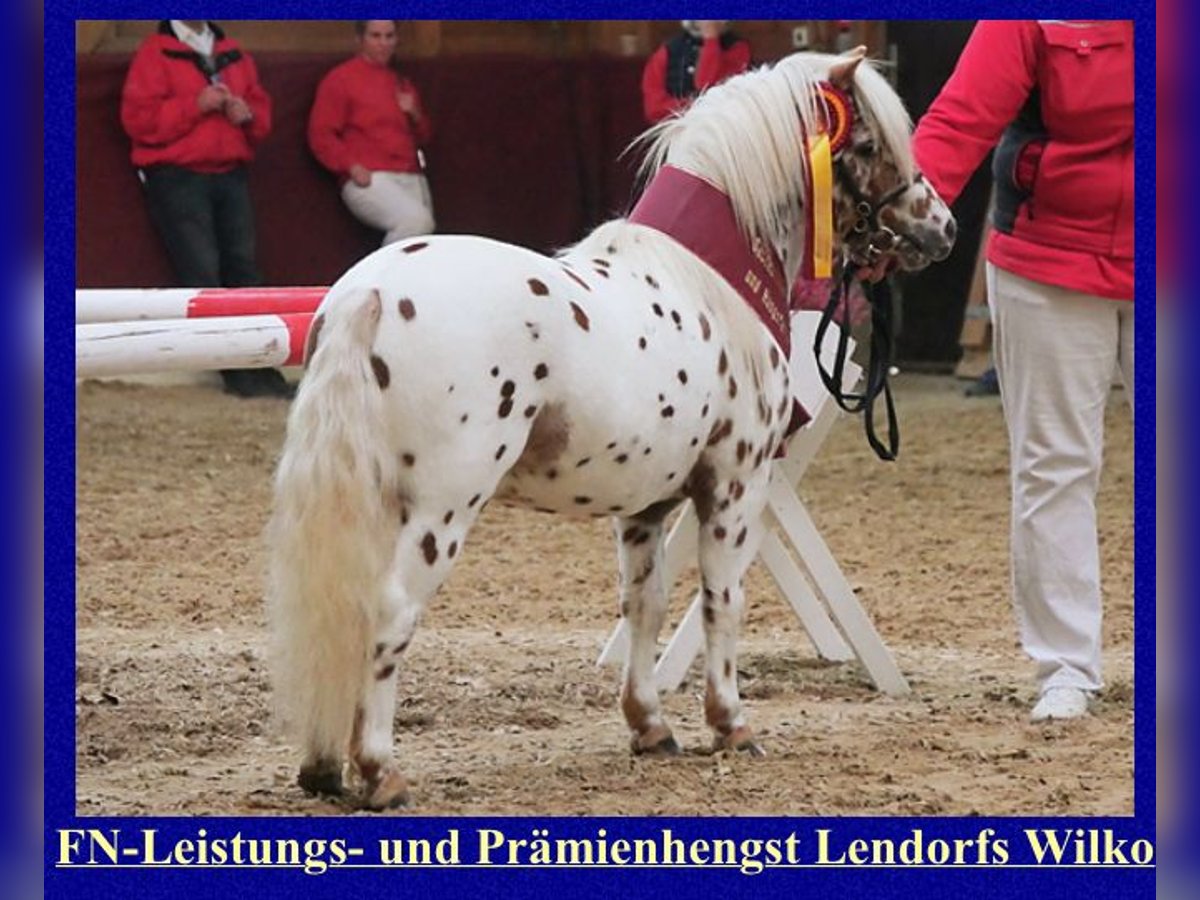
770 39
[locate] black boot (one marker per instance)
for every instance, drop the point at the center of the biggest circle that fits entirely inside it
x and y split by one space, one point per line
257 383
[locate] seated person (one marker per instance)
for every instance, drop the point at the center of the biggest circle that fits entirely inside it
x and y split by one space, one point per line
367 127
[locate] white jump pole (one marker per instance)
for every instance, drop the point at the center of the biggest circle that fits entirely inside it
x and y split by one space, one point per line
167 345
135 304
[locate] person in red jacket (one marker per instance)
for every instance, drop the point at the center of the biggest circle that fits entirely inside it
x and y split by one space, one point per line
194 110
704 53
1055 99
367 126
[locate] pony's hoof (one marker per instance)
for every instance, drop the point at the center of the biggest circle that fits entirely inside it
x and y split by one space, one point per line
323 777
390 792
655 742
740 740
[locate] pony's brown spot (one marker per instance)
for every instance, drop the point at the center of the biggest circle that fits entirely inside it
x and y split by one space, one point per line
650 281
452 549
774 357
721 429
582 501
408 459
408 311
382 374
448 517
505 407
710 615
728 669
429 548
538 287
719 532
495 371
314 334
677 319
579 281
581 318
722 363
530 411
583 462
508 388
682 376
386 672
725 596
471 503
641 343
732 388
621 458
413 248
668 411
705 328
540 371
500 451
742 449
603 263
741 538
658 310
548 438
379 648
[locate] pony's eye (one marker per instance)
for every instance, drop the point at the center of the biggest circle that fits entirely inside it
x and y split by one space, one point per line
867 149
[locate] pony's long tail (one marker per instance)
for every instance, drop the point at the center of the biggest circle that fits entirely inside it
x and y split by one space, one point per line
330 536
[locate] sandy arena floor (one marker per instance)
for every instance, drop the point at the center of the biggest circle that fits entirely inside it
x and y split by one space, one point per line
502 709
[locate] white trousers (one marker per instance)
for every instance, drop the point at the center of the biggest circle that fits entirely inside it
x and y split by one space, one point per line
396 203
1056 351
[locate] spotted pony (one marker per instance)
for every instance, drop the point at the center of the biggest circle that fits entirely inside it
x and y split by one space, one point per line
616 379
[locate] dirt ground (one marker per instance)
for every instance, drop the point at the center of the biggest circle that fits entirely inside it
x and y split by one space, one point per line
502 708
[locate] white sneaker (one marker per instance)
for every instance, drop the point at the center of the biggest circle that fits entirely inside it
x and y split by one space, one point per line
1060 703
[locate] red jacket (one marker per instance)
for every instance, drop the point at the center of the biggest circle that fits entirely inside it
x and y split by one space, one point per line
160 114
713 65
1057 98
356 118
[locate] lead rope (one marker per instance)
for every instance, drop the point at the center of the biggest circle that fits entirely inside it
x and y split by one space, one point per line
879 361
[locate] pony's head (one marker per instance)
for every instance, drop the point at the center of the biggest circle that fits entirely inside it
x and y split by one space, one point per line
749 137
883 206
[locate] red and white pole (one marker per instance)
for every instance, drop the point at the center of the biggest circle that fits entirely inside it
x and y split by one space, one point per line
196 344
135 304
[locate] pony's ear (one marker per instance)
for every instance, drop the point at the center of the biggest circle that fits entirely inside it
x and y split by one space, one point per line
841 73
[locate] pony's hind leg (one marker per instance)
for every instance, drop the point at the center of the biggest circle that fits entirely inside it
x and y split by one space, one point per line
728 542
643 606
425 553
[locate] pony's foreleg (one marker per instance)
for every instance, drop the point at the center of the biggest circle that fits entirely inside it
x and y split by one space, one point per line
643 606
728 542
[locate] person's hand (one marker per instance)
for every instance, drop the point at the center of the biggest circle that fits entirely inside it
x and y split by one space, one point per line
238 111
407 100
360 175
877 272
710 28
212 98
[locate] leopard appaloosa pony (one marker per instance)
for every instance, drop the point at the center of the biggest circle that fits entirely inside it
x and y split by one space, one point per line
645 365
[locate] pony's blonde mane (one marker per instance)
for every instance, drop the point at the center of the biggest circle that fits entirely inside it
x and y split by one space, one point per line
745 135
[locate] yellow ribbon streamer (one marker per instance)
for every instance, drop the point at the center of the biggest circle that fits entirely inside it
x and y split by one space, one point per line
820 164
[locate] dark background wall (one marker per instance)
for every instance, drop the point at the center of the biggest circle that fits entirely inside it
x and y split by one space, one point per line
934 300
526 150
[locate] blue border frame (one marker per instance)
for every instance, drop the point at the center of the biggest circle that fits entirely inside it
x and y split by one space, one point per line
60 564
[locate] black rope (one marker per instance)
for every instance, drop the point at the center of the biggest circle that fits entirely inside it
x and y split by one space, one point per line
879 361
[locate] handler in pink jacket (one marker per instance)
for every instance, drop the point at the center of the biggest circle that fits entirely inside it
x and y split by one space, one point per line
1055 100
